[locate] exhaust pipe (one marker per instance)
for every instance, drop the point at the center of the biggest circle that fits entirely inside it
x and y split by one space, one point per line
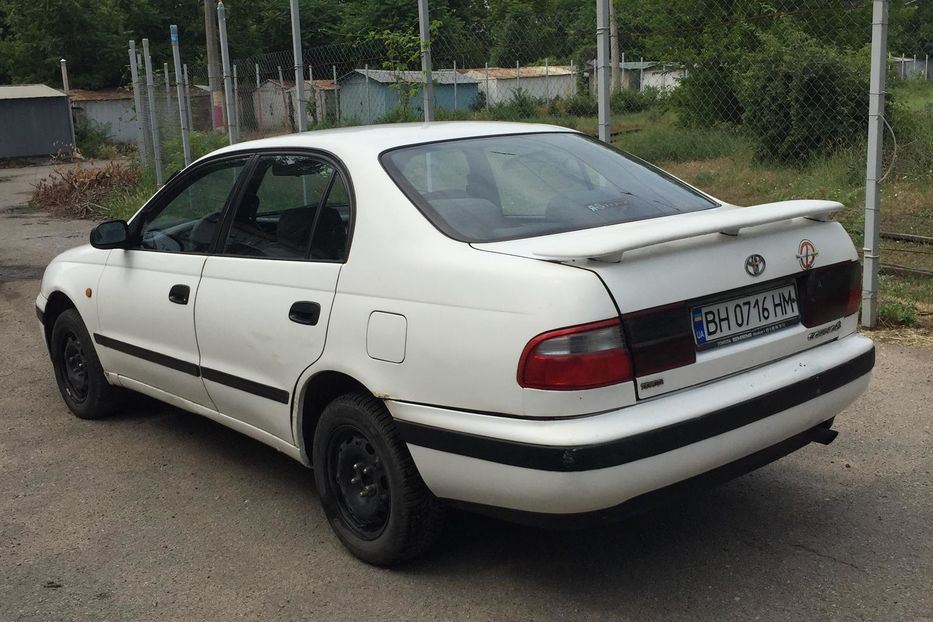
823 436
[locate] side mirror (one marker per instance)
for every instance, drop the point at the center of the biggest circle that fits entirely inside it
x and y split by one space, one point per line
110 234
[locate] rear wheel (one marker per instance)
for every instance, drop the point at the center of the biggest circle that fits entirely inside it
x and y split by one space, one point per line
78 373
371 491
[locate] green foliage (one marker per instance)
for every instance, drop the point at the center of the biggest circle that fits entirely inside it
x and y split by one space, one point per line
202 143
801 98
625 100
893 313
581 105
91 139
403 51
668 142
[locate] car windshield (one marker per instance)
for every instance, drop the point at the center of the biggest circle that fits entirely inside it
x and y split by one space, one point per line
507 187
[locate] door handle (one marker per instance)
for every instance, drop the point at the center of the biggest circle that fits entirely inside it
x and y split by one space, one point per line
179 294
305 312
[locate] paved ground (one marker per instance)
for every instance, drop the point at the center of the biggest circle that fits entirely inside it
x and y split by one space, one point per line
157 514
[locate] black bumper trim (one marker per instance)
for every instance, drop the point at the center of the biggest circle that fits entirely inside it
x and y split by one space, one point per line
656 498
40 314
645 444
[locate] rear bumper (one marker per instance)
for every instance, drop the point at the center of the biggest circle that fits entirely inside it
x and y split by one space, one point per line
601 465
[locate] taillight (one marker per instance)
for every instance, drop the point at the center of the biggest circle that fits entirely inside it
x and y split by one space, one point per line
829 293
579 357
660 338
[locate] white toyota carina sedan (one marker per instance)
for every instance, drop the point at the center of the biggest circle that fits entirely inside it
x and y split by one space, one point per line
510 318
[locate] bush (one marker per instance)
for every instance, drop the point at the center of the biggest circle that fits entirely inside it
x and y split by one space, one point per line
520 106
896 313
92 139
202 143
625 100
801 98
581 105
707 97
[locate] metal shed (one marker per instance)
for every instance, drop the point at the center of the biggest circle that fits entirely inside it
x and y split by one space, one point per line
35 120
369 95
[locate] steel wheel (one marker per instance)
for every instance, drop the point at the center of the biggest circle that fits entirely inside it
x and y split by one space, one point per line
359 478
74 368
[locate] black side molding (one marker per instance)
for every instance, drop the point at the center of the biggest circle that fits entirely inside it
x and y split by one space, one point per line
192 369
639 446
40 315
656 498
249 386
148 355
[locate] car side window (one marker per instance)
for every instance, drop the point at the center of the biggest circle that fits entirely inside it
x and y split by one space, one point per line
188 221
294 207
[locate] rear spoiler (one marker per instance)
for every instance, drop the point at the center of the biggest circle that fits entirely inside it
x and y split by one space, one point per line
609 243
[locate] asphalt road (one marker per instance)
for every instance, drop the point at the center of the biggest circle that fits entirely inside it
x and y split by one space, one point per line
160 515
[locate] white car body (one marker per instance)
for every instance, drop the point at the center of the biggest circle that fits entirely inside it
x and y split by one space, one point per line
435 328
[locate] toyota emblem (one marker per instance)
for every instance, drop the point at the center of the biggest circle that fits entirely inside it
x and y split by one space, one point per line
754 265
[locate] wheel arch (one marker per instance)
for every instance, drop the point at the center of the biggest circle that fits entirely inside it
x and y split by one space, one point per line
58 303
316 393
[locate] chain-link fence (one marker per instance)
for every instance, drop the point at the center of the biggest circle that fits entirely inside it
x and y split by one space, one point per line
752 101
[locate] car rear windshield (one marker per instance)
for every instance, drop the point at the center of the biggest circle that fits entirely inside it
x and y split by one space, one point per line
524 185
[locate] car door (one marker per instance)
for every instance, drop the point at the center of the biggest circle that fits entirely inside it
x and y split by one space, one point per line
146 294
265 297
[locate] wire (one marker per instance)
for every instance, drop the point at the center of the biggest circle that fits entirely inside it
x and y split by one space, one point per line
893 153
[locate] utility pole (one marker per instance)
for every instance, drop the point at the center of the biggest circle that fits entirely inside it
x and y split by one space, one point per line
879 65
228 76
602 67
180 90
424 24
299 68
616 83
213 65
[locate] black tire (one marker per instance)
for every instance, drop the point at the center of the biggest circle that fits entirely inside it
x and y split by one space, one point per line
78 372
373 496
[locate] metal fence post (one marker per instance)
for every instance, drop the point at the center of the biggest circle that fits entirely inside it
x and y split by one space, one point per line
455 85
299 68
336 93
236 102
602 67
369 112
168 89
547 90
285 96
641 73
65 87
179 88
258 104
153 123
228 78
487 87
424 25
879 55
518 77
184 71
138 104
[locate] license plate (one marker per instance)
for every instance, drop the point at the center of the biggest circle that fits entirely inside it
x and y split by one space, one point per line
738 319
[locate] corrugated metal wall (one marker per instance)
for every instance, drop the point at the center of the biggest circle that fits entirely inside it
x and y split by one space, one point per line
34 127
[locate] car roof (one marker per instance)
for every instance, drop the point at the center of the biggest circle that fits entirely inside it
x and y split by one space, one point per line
374 139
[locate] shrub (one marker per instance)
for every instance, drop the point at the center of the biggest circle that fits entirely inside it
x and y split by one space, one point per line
581 105
625 100
896 313
202 143
92 139
801 98
707 97
81 192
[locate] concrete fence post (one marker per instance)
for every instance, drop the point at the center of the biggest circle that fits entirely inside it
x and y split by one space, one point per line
151 113
879 54
141 142
424 26
228 77
602 68
301 112
179 89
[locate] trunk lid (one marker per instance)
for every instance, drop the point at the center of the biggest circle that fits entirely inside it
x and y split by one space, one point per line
665 274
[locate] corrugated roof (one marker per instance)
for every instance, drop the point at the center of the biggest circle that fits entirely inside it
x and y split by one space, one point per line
509 73
28 91
386 76
82 95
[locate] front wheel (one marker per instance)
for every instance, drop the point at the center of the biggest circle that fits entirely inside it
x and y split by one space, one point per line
78 372
373 496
